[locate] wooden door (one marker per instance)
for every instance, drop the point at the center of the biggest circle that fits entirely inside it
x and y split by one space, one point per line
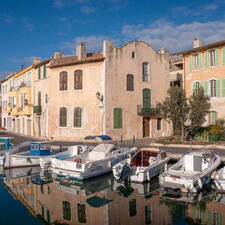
146 126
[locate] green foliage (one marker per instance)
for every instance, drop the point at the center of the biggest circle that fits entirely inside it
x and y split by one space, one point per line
199 107
175 107
220 122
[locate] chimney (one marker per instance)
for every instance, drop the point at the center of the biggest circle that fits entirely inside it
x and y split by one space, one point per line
81 51
58 55
197 43
37 60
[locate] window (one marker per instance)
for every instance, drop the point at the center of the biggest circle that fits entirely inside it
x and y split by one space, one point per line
130 82
46 98
63 117
118 123
212 84
196 62
148 215
81 213
145 72
77 117
212 57
39 98
132 207
133 55
63 81
78 74
159 122
66 210
212 118
197 87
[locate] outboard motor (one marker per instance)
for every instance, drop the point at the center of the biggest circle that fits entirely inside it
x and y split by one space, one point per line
125 173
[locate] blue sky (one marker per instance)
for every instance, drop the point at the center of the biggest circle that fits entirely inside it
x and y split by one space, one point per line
38 28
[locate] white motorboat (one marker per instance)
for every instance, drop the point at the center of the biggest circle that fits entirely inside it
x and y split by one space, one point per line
219 179
29 158
21 172
72 151
143 166
98 161
191 172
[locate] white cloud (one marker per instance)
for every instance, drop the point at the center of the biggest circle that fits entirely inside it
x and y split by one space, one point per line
93 43
175 37
59 4
26 59
87 9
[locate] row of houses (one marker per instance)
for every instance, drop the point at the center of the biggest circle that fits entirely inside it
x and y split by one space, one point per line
112 92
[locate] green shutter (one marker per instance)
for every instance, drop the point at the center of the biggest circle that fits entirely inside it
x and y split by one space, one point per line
204 84
146 94
206 59
223 87
199 60
218 88
39 72
216 56
223 56
44 71
190 63
117 118
193 87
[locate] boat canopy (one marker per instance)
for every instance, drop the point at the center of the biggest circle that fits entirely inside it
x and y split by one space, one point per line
102 137
100 151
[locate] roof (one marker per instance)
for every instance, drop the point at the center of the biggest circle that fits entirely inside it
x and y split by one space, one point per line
42 63
203 47
73 60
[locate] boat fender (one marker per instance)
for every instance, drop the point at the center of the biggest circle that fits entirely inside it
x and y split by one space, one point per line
78 160
200 183
213 175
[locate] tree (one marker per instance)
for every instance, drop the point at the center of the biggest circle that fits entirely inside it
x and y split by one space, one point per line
199 105
175 108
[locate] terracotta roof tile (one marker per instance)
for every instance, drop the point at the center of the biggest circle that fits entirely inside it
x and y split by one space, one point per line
73 60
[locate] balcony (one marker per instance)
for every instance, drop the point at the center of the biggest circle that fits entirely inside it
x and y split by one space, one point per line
37 109
147 110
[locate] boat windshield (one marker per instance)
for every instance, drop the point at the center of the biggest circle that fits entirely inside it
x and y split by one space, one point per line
143 158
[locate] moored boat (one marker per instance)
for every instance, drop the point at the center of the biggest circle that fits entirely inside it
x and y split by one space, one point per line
142 166
219 179
191 173
89 164
29 158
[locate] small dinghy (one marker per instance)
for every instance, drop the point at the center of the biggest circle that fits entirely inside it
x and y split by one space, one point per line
191 173
29 158
72 151
89 164
142 166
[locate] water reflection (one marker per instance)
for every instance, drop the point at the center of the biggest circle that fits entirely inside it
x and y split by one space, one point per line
103 201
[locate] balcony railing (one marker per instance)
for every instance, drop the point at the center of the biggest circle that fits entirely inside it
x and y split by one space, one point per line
37 109
147 110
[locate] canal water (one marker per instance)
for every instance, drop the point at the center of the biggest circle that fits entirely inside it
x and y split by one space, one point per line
36 199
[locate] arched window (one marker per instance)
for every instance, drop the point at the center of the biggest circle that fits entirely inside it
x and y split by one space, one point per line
63 81
212 84
130 82
145 72
77 117
63 117
78 76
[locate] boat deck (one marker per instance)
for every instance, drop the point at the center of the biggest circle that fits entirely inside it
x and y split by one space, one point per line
183 174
